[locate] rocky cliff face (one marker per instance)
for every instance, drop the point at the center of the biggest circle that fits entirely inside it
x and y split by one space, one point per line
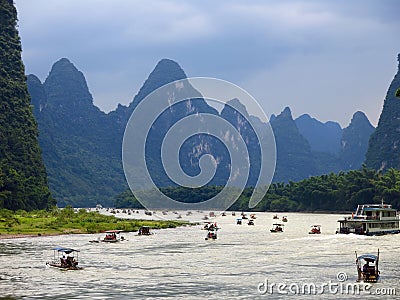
323 137
82 145
354 143
23 179
384 145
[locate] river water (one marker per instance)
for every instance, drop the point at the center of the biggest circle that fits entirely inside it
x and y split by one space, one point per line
245 262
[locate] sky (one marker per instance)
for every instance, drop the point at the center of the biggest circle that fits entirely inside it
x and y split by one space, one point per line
326 58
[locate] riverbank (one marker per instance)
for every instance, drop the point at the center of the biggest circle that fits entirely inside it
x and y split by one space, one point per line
67 221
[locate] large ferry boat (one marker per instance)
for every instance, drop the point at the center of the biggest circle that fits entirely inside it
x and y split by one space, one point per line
371 219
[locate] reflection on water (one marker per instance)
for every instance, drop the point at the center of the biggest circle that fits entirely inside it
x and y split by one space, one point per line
181 264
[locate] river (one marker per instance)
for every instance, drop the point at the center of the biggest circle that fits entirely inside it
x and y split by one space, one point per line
245 262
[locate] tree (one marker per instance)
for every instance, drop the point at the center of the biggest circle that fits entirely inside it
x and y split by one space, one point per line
23 179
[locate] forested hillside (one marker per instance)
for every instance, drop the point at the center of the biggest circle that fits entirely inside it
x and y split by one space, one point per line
384 145
23 179
82 145
331 192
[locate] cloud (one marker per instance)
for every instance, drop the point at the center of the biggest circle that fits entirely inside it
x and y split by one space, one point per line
350 46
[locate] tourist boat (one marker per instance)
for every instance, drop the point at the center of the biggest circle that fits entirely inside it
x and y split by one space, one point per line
284 219
367 267
315 229
144 230
238 221
223 214
275 217
277 228
113 236
253 216
250 222
64 259
212 227
233 213
206 225
371 219
244 216
211 235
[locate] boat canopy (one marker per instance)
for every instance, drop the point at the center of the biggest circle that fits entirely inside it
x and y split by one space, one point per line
113 231
65 250
279 224
368 257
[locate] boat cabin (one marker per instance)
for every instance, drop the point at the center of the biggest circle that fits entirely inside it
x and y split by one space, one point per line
371 219
144 230
367 267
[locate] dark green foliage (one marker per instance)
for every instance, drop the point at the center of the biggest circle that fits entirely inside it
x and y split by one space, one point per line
181 194
384 145
23 179
398 92
332 192
127 200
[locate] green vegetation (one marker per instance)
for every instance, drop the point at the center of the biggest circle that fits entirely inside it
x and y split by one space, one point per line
82 145
384 151
23 179
398 93
66 221
332 192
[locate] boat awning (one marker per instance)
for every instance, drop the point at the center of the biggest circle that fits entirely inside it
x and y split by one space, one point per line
113 231
65 250
368 257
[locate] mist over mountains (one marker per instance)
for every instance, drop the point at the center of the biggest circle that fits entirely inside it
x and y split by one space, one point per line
82 145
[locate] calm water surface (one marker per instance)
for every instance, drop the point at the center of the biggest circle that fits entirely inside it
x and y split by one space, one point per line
181 264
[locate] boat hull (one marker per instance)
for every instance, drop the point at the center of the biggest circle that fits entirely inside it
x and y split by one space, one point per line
63 267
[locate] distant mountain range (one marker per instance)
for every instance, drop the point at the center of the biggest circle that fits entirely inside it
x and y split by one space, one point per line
82 145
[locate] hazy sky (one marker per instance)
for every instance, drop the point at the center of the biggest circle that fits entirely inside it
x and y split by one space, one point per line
325 58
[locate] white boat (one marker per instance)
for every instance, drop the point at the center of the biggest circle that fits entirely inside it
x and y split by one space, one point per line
371 219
